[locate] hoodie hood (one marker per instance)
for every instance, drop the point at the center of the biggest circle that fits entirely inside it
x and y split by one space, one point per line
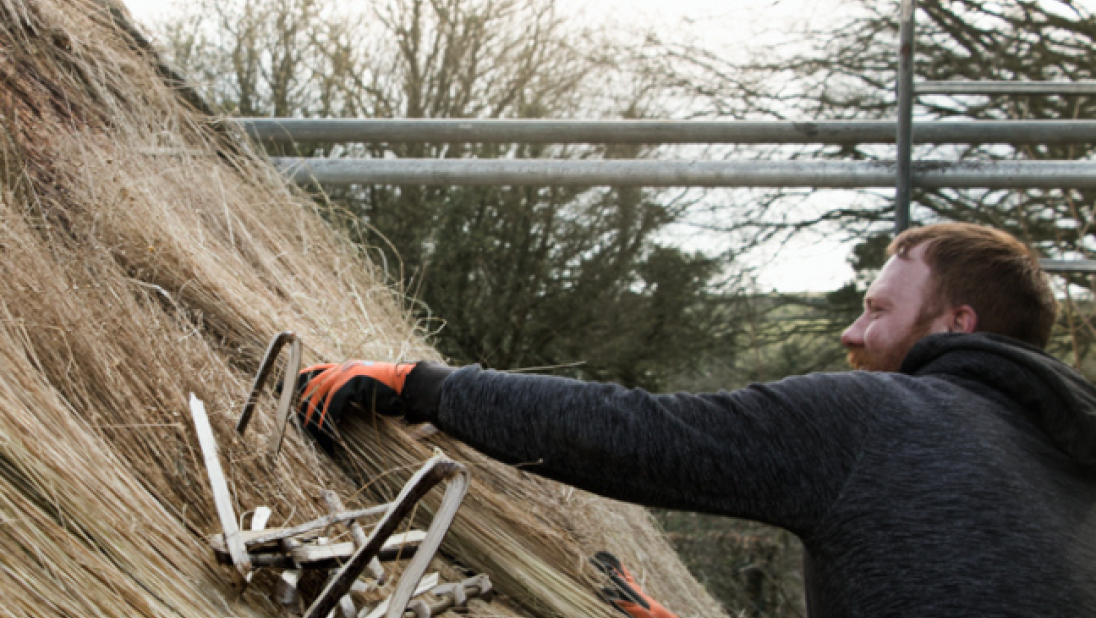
1061 400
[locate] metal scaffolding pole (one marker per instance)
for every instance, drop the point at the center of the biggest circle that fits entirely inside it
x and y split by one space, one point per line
647 173
351 130
1069 266
904 180
999 88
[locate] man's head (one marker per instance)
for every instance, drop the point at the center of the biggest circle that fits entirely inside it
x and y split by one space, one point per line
952 277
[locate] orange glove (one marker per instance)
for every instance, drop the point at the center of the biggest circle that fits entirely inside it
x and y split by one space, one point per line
625 593
330 390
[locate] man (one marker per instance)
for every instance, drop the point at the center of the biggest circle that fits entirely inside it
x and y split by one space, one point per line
956 478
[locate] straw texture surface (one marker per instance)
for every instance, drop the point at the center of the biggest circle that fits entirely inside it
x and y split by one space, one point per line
146 253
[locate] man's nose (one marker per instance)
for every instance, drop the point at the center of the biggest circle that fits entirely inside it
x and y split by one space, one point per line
853 337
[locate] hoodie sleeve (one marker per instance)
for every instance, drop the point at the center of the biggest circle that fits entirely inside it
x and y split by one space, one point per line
778 452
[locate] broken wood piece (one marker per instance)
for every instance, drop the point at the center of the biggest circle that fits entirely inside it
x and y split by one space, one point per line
454 591
406 542
260 517
335 506
458 593
362 587
425 585
277 534
289 388
221 497
265 367
346 605
288 399
337 557
345 608
403 545
451 597
285 592
307 555
419 608
436 470
312 556
478 587
455 491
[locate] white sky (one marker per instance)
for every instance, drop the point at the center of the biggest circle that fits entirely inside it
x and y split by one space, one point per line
716 17
731 25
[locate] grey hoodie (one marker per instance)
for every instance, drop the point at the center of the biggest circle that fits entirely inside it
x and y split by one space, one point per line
965 485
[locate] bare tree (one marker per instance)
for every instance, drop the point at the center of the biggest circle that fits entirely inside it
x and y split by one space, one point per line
850 73
536 276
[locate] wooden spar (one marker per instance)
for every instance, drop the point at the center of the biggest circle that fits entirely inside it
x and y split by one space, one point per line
435 471
289 387
288 398
439 526
402 545
427 584
277 534
335 506
265 367
221 497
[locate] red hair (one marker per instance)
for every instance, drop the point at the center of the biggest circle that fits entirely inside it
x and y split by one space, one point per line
990 270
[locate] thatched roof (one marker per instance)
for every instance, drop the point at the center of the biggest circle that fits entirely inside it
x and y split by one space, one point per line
146 254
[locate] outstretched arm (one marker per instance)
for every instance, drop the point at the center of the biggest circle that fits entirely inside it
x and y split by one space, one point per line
777 452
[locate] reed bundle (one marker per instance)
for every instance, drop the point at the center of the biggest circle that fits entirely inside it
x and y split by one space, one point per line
146 254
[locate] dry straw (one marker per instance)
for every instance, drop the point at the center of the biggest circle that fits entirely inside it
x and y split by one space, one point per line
144 255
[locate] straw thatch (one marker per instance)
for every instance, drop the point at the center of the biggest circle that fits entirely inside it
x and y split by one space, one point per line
145 254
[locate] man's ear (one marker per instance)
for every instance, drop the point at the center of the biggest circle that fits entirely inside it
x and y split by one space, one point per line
963 320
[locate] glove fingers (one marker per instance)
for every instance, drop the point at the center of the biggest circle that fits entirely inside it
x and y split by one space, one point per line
339 391
316 391
647 601
376 387
304 376
633 610
307 376
610 565
606 562
327 390
627 590
352 370
359 393
658 611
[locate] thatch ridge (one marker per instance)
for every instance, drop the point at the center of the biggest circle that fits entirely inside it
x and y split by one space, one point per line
145 256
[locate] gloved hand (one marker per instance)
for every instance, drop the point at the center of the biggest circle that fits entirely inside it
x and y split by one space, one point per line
625 593
329 391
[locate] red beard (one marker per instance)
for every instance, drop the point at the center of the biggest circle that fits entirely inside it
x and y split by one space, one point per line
860 360
891 360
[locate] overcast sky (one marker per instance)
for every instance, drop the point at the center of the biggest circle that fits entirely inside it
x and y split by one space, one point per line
731 25
714 16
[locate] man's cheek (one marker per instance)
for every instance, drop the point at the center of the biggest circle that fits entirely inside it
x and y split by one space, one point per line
875 336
